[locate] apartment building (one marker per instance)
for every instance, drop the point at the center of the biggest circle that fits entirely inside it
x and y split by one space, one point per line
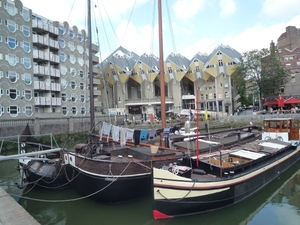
43 66
288 49
134 85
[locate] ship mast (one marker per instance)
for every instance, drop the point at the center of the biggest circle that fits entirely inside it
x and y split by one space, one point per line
161 70
92 110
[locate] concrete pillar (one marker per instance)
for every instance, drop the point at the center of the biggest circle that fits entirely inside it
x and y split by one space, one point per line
36 126
71 124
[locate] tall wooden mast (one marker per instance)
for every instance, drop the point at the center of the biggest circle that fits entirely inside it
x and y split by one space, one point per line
92 110
161 68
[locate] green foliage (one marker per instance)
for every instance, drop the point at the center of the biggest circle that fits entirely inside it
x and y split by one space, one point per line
260 71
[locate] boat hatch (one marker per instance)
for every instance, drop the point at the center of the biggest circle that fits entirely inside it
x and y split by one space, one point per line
248 154
272 145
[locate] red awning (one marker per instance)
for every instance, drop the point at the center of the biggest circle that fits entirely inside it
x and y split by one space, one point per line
272 102
292 100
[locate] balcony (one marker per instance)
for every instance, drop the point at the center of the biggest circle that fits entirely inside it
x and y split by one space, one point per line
54 72
96 81
55 87
97 103
95 59
53 44
95 48
56 101
39 70
97 92
237 97
40 25
53 57
53 30
40 85
40 55
47 101
39 40
237 105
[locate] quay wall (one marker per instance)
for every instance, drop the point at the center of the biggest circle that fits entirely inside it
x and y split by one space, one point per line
74 125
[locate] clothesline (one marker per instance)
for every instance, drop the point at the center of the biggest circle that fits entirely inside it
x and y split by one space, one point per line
123 134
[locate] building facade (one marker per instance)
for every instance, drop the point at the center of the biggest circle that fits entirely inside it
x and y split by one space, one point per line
44 65
134 82
44 73
288 49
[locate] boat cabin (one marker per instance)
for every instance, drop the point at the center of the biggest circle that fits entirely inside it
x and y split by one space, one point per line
227 163
283 129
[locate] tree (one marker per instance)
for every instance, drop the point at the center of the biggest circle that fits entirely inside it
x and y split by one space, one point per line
262 72
239 79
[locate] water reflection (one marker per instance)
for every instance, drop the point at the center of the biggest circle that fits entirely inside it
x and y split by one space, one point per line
277 204
10 178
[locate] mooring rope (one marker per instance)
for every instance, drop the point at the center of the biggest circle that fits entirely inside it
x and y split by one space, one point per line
76 199
176 200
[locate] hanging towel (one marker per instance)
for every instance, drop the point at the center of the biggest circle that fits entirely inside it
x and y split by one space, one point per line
144 134
123 136
115 133
151 135
136 135
167 132
105 130
129 134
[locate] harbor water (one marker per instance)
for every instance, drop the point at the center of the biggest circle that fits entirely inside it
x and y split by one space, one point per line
278 204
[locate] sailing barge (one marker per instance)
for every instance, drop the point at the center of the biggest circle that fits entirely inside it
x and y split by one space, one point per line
223 177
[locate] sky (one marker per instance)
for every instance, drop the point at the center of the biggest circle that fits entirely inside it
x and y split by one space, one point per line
189 26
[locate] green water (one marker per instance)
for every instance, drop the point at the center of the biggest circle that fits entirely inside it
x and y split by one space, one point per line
276 204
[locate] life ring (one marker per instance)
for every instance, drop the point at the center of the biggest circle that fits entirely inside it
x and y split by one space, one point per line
175 170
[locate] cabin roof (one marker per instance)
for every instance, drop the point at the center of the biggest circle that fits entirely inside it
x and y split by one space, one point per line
278 119
272 145
248 154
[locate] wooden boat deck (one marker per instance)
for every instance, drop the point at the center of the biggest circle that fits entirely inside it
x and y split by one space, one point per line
235 158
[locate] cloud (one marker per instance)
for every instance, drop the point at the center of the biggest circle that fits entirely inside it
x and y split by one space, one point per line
228 7
256 37
259 36
281 9
136 39
205 45
185 9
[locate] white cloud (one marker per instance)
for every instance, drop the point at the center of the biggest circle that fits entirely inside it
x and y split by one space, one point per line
259 36
228 7
75 12
205 45
136 39
256 37
283 9
185 9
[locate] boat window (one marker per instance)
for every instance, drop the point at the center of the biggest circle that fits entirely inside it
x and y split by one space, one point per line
294 124
274 124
